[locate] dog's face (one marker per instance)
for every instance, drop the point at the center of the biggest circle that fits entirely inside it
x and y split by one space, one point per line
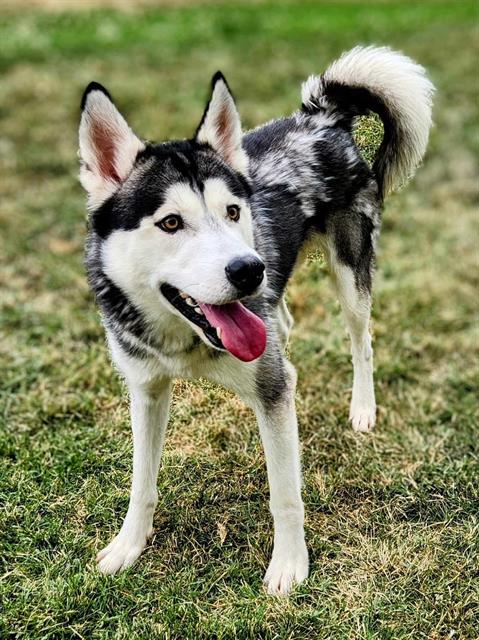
175 220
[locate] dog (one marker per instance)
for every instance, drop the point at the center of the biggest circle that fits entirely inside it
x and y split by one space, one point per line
191 244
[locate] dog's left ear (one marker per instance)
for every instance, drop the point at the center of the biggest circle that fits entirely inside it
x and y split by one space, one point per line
220 126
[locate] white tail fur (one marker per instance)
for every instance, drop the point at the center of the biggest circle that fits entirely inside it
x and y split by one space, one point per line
390 84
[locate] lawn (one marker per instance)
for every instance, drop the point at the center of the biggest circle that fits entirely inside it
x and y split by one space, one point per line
392 517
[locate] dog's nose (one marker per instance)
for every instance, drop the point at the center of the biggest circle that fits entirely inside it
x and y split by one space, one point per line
246 274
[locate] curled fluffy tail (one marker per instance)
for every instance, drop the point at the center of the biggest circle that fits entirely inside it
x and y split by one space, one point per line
388 83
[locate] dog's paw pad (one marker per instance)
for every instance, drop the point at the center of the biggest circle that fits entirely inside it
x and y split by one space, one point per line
120 554
363 418
286 571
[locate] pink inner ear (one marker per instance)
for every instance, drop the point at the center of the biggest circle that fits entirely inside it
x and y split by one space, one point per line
103 140
225 130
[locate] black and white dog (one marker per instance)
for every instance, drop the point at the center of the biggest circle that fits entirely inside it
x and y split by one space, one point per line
192 243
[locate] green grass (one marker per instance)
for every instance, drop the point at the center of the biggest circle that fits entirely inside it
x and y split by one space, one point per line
392 518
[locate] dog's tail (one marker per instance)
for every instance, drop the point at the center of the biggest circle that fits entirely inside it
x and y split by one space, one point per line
388 83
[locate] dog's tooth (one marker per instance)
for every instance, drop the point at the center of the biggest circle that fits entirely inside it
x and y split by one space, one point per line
184 295
190 302
198 310
218 332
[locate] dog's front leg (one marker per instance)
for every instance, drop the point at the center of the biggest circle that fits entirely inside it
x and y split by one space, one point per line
279 433
149 416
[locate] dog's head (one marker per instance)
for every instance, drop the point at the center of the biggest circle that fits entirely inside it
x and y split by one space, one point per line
174 218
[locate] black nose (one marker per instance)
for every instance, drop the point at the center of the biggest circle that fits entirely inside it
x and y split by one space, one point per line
245 273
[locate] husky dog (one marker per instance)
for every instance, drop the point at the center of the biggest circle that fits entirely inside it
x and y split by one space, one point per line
191 244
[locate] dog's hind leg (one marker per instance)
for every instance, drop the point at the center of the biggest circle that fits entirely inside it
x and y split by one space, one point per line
149 407
352 282
356 307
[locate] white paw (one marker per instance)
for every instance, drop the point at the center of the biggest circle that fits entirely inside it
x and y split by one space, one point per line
363 418
120 554
285 570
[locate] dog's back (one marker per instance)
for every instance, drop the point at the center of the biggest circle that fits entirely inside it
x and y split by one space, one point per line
308 175
304 171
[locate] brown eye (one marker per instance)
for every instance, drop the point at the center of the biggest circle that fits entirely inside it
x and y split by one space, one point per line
171 223
233 212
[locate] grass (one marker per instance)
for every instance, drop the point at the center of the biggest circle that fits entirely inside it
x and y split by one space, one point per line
392 518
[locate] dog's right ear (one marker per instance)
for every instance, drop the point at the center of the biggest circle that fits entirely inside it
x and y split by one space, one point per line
220 126
108 147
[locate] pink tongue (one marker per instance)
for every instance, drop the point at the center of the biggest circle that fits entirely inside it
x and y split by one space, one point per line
242 332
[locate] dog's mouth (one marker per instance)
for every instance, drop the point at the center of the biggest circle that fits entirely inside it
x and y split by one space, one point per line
231 327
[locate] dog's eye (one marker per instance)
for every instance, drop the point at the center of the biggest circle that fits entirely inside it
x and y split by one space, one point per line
171 223
233 212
